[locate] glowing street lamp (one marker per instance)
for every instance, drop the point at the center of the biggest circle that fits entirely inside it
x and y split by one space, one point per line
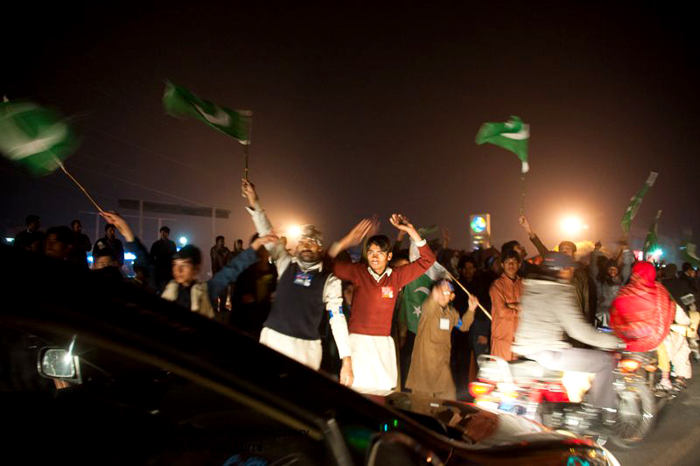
572 225
183 241
294 232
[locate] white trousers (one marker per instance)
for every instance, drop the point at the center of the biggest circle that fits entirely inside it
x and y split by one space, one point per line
373 364
307 352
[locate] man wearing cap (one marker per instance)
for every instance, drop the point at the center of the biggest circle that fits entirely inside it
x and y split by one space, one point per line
580 279
304 290
430 372
548 313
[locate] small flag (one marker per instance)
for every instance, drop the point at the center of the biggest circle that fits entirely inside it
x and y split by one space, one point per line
512 135
425 231
690 254
179 102
651 243
33 136
633 208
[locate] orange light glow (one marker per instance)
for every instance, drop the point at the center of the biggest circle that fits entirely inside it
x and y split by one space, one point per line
477 389
629 365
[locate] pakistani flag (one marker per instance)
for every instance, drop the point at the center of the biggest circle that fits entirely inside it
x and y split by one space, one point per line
690 254
425 231
33 136
412 299
633 208
513 135
179 102
651 243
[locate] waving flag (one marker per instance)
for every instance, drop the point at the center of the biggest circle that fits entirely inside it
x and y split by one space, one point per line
35 137
651 243
179 102
513 135
690 254
633 208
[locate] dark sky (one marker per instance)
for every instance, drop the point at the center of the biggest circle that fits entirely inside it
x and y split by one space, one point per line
367 110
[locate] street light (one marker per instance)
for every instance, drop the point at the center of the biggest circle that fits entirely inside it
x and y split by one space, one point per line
572 225
183 240
294 232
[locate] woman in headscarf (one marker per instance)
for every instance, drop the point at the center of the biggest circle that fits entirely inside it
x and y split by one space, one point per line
642 315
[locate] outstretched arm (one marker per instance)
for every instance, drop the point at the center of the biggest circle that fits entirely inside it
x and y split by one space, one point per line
263 226
230 272
541 248
133 245
353 238
410 272
468 317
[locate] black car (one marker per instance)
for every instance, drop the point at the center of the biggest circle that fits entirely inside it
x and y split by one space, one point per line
95 370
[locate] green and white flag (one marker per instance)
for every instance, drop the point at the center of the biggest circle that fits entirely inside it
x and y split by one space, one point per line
690 254
181 103
425 231
651 243
633 208
513 135
35 137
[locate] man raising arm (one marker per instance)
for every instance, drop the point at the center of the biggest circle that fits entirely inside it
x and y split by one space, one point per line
376 289
304 290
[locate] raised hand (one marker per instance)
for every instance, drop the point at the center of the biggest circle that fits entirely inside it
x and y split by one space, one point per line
522 220
120 224
358 233
401 222
446 237
248 191
473 303
263 240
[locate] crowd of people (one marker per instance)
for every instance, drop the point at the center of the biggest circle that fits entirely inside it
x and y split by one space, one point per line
380 316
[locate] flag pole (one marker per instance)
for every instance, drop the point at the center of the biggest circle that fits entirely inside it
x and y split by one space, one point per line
63 167
468 293
522 193
247 146
245 154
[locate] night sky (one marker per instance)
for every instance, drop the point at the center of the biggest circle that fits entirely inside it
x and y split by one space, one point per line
366 110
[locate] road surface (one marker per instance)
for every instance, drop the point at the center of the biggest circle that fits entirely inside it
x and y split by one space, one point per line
675 439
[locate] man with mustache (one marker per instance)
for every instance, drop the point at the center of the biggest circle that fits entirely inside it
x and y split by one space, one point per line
304 290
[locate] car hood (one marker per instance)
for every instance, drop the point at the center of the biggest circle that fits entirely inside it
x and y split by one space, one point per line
454 417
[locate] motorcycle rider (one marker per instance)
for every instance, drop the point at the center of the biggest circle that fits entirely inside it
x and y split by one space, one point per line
549 312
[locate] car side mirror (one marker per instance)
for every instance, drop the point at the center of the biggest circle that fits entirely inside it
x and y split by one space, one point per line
58 363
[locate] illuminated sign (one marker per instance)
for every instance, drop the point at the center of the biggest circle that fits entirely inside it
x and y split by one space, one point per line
478 224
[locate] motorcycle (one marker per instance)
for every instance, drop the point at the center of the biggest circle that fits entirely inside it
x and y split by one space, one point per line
554 398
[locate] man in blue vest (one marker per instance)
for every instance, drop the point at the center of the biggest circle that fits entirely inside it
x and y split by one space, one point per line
304 291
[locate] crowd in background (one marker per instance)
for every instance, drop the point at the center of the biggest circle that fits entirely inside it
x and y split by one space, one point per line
245 296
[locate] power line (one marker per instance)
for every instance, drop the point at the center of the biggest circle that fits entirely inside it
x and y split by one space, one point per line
150 151
141 186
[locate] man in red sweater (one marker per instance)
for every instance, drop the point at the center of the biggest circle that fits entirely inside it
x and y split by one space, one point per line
376 289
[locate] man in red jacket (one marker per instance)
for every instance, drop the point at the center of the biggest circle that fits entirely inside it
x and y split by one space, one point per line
376 289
